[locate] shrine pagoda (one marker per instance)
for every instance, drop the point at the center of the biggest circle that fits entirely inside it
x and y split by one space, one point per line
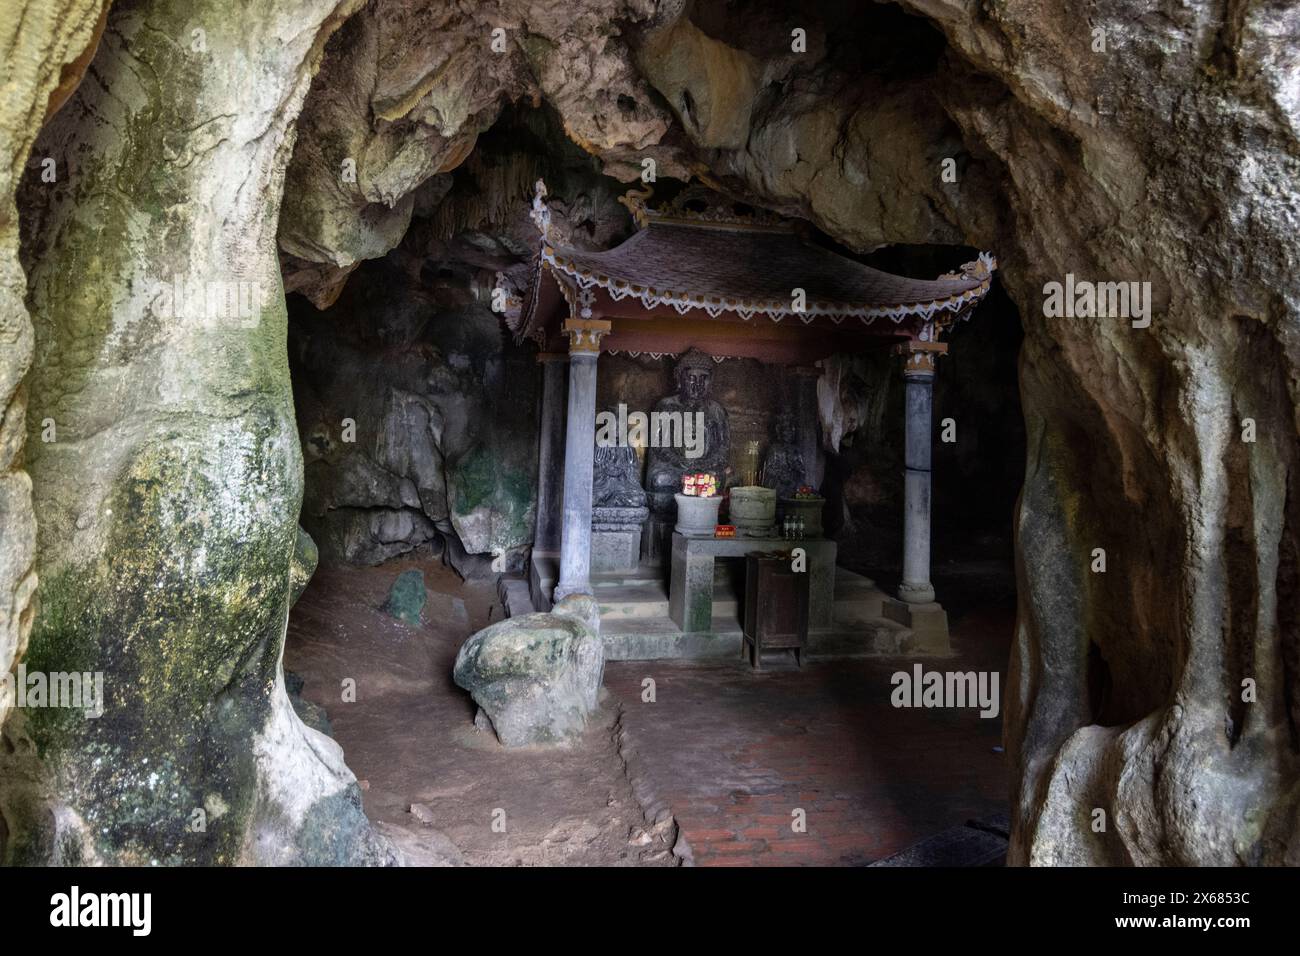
708 275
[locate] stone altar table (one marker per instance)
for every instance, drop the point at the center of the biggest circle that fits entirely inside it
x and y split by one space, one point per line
690 594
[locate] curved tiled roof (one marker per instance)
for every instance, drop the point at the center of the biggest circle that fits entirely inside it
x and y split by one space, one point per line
757 270
724 264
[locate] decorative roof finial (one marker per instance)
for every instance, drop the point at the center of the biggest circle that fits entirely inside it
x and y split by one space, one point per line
541 215
979 270
635 200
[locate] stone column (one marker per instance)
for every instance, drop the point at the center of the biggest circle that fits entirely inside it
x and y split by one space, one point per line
918 372
579 446
804 380
550 452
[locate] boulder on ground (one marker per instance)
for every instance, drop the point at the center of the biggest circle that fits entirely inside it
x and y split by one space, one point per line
535 677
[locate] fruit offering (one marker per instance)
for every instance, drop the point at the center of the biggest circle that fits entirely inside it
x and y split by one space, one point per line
702 485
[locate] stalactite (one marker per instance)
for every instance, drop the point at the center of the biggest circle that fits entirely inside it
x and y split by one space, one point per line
500 188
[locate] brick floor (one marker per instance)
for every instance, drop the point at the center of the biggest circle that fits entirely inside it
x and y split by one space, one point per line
736 753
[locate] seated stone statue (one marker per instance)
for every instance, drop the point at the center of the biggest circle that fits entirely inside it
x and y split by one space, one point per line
618 509
783 468
687 451
615 479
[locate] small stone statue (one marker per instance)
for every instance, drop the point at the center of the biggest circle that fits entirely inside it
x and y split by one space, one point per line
615 482
783 468
668 464
618 509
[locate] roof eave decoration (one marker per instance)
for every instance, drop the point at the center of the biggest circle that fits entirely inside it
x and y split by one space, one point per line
950 308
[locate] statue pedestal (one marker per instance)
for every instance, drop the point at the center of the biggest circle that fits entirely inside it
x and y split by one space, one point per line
616 538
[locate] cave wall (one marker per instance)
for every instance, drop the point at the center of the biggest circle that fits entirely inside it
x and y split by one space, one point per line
1167 154
43 51
167 507
442 446
1171 158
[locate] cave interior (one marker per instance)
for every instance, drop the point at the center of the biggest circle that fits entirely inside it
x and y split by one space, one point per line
306 347
421 398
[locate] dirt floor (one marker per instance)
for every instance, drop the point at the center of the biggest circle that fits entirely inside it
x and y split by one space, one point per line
410 737
735 754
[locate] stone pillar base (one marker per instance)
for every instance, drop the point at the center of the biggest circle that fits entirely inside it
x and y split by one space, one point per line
543 571
562 591
929 626
916 593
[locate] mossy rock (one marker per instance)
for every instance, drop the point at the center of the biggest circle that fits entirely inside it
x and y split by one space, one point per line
536 677
406 598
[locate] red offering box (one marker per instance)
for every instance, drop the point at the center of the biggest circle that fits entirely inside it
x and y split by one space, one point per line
724 531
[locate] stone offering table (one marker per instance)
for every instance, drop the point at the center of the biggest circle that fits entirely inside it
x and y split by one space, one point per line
690 595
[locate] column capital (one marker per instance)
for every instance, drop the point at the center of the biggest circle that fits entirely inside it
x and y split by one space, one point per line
585 334
919 357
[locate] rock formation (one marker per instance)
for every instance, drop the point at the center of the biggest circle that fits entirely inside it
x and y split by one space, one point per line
167 504
1159 149
44 54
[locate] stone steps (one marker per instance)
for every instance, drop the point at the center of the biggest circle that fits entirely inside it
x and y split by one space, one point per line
659 639
635 624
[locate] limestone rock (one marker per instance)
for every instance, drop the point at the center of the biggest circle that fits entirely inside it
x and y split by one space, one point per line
305 559
536 677
422 845
1169 158
406 599
1146 163
167 508
407 88
311 714
417 424
580 607
46 46
422 813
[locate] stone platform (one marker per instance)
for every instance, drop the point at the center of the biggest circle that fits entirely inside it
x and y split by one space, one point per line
635 622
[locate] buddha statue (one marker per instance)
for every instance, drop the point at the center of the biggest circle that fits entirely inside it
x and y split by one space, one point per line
686 450
615 478
783 468
618 509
